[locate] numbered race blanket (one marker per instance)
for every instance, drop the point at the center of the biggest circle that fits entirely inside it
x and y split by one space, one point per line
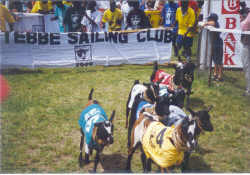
92 114
157 145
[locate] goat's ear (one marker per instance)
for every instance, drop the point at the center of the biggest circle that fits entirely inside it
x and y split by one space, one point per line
112 116
191 111
209 108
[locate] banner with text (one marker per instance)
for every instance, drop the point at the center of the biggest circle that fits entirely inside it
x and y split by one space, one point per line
35 49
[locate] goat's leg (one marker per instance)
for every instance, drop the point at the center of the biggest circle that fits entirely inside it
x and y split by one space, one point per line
144 161
149 163
130 155
130 127
81 145
87 152
97 158
184 165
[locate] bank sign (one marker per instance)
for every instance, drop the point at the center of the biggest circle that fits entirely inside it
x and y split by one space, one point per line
229 19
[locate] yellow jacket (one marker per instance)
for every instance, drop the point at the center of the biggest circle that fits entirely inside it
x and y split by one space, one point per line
157 145
185 21
154 17
42 6
5 16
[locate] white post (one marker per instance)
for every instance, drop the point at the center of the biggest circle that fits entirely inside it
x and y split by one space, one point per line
204 39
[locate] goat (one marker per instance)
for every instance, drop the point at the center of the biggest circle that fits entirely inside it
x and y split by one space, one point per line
96 128
183 77
147 91
160 108
170 142
203 120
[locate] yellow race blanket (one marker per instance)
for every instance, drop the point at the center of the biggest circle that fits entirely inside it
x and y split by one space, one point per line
157 145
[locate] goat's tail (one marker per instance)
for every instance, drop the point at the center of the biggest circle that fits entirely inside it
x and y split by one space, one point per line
154 71
90 94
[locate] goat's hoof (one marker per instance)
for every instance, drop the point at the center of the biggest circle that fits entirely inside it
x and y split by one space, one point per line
86 162
128 171
92 171
80 164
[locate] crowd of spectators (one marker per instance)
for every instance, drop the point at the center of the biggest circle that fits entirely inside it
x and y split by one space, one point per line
86 16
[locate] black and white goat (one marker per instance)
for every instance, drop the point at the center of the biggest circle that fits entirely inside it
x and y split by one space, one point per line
183 77
96 128
146 91
174 117
164 145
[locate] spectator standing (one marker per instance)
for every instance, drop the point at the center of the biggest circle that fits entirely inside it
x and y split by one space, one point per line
67 3
185 17
245 55
5 17
60 12
92 18
136 18
159 4
16 6
29 6
217 47
112 16
168 15
73 17
153 15
42 7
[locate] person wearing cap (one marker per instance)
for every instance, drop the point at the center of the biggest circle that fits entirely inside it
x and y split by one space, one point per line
217 47
245 52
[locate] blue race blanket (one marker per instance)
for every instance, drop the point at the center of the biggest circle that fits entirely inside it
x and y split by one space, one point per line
143 104
92 114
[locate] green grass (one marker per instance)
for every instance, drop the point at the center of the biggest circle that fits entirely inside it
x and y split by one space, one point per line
40 132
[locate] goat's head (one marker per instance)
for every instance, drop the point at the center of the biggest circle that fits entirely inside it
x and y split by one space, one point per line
189 133
104 131
203 119
177 97
184 74
151 92
188 74
162 106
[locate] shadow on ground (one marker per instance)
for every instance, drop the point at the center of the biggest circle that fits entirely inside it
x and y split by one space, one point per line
196 102
114 163
197 164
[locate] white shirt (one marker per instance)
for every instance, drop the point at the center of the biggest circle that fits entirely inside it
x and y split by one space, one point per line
95 16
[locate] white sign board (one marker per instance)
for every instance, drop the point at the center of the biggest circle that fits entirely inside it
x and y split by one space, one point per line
66 49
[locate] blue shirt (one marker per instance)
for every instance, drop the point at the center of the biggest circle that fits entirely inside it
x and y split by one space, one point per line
60 13
169 14
92 114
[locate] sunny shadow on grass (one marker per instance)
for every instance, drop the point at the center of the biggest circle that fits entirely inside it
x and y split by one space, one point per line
40 132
